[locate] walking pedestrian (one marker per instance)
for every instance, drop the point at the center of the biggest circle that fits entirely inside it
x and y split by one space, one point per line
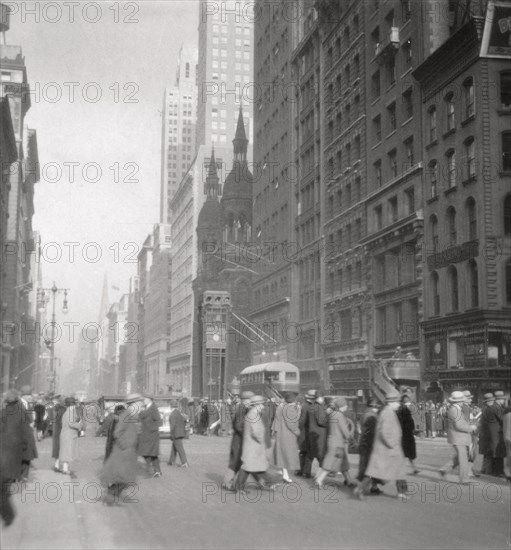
111 429
30 449
365 445
506 426
13 439
490 437
149 441
120 469
459 436
286 432
177 434
235 451
317 423
336 457
40 418
71 427
254 459
387 461
59 409
408 428
303 439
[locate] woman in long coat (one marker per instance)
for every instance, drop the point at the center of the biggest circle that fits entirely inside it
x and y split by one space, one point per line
120 468
387 460
336 457
110 433
71 427
58 412
254 458
149 441
408 428
286 431
30 448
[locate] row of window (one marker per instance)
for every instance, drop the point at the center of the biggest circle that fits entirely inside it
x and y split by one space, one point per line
398 323
345 280
392 168
452 304
345 238
451 225
344 198
348 324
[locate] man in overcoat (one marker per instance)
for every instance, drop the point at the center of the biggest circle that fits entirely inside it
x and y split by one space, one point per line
459 436
177 434
303 438
365 445
58 412
149 440
13 443
317 424
387 461
286 432
238 420
489 436
408 428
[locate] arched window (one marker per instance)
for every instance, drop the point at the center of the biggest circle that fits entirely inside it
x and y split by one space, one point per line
451 168
433 222
508 282
507 215
356 25
432 124
452 275
451 224
433 178
471 218
474 283
470 105
470 155
449 106
506 151
434 293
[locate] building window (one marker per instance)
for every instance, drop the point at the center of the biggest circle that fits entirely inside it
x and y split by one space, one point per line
378 213
409 152
449 101
391 114
451 169
391 70
451 224
452 275
433 178
432 124
377 129
508 282
506 151
410 200
345 318
406 7
377 173
474 283
470 106
408 104
393 163
470 154
505 89
471 219
433 221
407 50
507 215
357 148
393 209
434 291
376 85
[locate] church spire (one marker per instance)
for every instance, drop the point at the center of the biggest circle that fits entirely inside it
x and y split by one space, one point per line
212 188
240 141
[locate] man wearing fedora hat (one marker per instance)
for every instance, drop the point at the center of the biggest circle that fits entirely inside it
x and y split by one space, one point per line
149 440
303 438
459 433
491 441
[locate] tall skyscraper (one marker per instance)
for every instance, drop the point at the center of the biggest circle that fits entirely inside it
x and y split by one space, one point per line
178 128
225 76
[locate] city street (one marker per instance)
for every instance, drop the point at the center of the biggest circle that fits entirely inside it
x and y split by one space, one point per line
185 508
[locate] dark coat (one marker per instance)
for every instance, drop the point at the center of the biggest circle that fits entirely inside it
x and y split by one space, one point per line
490 432
149 440
30 450
407 427
58 413
317 423
14 428
110 436
121 465
39 411
177 425
365 446
303 426
237 437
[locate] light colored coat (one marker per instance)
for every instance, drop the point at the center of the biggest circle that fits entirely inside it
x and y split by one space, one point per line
285 428
254 456
387 460
458 427
336 443
71 426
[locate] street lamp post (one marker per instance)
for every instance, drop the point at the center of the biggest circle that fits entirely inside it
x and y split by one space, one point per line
43 299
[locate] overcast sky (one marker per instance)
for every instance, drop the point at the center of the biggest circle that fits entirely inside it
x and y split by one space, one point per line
129 55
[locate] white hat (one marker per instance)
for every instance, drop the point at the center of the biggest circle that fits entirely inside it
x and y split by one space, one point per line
457 397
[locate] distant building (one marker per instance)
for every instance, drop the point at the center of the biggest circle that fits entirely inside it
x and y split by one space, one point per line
178 128
132 336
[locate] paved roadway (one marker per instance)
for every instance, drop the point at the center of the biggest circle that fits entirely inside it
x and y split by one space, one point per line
186 508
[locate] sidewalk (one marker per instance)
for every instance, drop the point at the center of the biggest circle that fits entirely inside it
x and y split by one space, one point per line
46 516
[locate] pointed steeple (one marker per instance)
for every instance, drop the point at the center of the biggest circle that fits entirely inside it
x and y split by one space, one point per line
240 141
103 308
212 188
